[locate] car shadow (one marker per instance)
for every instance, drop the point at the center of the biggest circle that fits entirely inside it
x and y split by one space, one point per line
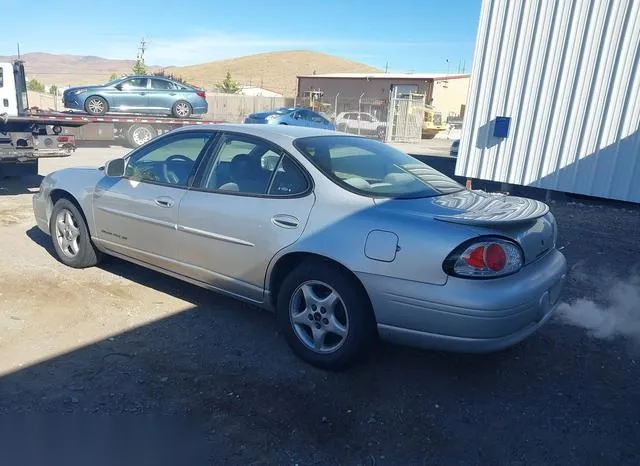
249 400
11 186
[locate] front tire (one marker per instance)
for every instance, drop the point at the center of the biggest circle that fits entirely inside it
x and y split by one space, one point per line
70 236
96 105
325 315
181 109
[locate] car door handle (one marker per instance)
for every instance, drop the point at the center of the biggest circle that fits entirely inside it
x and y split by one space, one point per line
285 221
172 93
164 201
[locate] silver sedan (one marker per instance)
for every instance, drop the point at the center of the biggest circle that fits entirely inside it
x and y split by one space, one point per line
345 238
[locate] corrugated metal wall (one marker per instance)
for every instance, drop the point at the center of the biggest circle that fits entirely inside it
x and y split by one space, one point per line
567 72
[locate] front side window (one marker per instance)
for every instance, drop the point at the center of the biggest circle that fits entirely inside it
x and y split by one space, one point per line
372 168
247 165
170 160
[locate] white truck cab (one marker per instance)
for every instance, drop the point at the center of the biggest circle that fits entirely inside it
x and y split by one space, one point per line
13 89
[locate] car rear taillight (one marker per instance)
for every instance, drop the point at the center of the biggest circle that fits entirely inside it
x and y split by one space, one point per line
485 257
201 94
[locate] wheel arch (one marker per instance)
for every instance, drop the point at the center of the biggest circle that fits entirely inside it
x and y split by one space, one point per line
58 193
289 261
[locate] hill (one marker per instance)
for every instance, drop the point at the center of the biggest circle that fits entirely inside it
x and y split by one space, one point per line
65 70
275 71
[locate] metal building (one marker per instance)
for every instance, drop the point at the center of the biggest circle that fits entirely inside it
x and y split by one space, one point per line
554 98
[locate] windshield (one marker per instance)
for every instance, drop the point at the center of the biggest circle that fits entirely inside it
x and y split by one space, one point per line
372 168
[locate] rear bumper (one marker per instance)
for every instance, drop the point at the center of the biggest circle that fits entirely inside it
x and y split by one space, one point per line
200 109
468 315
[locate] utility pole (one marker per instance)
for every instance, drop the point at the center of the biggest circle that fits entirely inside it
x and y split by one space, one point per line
386 67
141 49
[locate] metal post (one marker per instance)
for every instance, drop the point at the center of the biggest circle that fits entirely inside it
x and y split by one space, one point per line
335 107
359 111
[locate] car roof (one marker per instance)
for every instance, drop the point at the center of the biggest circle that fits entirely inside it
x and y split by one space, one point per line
276 133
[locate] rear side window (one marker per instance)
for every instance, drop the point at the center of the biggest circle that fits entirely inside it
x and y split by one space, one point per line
288 180
251 166
161 84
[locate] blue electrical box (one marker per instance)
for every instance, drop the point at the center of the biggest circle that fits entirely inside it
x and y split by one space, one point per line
501 127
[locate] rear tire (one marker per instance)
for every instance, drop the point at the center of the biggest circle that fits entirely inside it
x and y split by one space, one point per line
330 337
70 236
181 109
96 105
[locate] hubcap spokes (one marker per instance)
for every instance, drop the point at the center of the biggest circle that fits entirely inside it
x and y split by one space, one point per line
67 233
319 317
96 106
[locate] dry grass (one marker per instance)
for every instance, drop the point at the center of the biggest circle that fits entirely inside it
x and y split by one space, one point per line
275 71
66 70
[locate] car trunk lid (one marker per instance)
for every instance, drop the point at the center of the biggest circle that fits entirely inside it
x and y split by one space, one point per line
527 221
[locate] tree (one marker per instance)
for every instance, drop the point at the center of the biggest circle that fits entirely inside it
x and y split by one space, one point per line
139 67
163 74
35 85
53 89
228 86
113 77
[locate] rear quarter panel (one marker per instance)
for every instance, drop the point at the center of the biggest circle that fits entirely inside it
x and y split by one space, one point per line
339 228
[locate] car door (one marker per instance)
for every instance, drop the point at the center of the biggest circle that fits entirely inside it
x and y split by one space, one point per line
162 94
300 118
136 215
249 201
130 95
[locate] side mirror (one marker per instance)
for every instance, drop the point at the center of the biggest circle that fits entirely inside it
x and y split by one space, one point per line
115 168
119 86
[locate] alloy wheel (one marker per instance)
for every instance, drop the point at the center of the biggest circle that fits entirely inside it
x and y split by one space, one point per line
182 109
96 106
68 233
319 317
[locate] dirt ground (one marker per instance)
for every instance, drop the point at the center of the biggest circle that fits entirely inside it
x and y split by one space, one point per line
222 387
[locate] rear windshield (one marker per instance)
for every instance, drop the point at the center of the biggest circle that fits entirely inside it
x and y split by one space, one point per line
372 168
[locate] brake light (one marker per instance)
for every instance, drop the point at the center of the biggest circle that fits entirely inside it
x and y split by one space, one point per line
484 258
63 139
495 258
201 94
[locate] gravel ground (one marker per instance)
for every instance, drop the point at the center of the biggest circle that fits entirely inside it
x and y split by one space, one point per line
189 377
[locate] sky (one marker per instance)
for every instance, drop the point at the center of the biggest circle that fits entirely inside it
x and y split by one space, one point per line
405 35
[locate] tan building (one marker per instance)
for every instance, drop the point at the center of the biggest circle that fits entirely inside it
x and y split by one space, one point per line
445 95
449 98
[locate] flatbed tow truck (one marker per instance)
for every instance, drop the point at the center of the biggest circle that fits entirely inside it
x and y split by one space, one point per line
29 134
